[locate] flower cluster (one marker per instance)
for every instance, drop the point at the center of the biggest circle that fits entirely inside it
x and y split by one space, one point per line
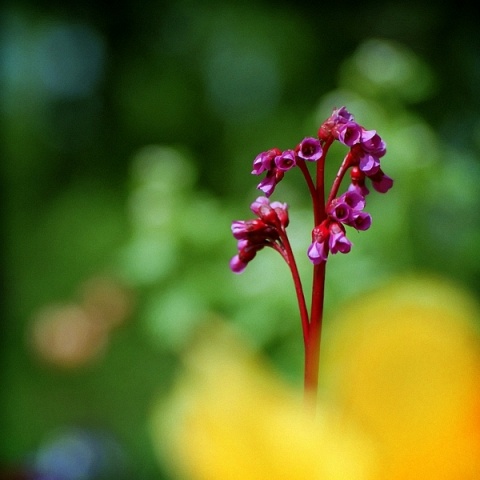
330 236
266 230
362 161
366 149
276 163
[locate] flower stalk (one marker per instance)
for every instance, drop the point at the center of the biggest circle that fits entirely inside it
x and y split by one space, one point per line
330 215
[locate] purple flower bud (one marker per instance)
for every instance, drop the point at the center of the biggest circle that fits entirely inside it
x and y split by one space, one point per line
359 187
318 252
369 164
340 210
258 204
349 133
273 214
265 161
381 183
239 229
354 200
373 144
281 209
253 230
361 221
345 208
245 254
337 241
286 160
242 244
341 115
237 265
310 149
358 182
268 184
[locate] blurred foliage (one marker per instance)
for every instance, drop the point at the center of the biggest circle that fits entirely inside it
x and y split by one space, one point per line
127 139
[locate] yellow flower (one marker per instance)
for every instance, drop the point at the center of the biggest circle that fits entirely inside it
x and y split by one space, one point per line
230 419
403 363
400 390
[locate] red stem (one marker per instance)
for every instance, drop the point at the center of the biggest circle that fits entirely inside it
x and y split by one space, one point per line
312 346
298 285
311 186
338 179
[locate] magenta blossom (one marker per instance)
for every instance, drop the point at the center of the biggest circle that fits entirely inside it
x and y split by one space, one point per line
246 253
286 160
349 133
264 231
318 250
373 144
265 161
327 237
274 214
268 184
362 162
348 209
381 183
337 241
310 149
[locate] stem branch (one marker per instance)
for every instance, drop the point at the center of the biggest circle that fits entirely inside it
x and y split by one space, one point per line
298 285
338 179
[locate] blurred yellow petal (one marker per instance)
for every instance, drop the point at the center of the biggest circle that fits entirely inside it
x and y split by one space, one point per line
403 362
230 418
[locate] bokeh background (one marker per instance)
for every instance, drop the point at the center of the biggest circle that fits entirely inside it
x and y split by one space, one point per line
127 135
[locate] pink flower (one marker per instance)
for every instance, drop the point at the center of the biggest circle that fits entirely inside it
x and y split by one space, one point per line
286 160
373 144
327 237
381 183
310 149
349 133
338 242
265 161
268 184
274 214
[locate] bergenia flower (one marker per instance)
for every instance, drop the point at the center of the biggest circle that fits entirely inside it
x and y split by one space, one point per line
349 133
268 184
369 164
310 149
265 161
327 237
373 144
255 234
337 241
381 183
286 160
274 214
361 221
318 250
346 207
